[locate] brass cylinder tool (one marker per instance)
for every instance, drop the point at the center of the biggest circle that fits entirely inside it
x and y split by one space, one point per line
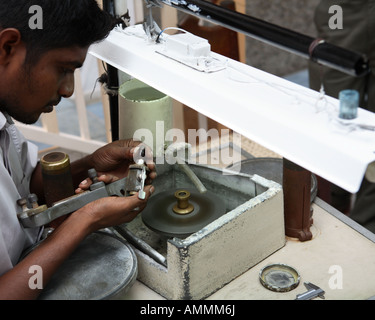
183 206
57 180
57 177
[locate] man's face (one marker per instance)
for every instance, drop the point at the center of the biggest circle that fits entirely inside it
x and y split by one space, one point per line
35 89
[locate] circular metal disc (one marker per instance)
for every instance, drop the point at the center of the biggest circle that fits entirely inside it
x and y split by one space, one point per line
160 217
101 267
279 277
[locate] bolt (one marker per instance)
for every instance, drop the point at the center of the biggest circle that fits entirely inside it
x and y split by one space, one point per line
93 175
96 184
33 200
22 203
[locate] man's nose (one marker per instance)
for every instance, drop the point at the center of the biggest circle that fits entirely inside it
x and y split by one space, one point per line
67 86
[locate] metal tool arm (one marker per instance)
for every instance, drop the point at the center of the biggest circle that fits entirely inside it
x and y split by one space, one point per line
37 216
30 219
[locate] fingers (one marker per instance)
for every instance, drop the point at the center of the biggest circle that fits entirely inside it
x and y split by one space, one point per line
140 202
112 211
107 178
137 204
85 184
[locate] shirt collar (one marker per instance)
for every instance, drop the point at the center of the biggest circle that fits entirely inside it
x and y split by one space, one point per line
5 120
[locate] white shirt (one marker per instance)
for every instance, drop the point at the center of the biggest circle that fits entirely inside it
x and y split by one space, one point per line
18 158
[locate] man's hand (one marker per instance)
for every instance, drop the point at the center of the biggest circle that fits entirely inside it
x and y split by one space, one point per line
114 159
112 211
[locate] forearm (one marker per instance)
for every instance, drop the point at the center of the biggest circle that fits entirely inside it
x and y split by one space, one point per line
49 255
53 251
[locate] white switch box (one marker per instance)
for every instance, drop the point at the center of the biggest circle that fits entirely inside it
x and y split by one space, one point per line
188 45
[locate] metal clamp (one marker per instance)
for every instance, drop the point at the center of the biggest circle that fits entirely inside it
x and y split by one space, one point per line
34 215
312 293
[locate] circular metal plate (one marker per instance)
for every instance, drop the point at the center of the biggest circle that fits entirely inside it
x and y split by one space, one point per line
160 217
279 277
269 168
101 267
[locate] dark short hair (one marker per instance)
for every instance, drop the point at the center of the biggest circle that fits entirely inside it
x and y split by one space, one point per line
66 23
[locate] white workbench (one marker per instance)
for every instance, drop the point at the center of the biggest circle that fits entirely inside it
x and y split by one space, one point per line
340 247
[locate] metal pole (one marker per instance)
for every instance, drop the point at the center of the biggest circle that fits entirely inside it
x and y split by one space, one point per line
349 62
113 82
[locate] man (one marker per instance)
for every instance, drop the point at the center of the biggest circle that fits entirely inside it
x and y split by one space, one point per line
357 34
37 67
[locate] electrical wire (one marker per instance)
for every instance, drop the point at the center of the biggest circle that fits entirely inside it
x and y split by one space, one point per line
169 28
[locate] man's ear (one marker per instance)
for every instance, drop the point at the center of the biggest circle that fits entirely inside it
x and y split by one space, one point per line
10 39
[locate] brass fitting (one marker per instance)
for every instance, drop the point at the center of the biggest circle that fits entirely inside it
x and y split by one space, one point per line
183 206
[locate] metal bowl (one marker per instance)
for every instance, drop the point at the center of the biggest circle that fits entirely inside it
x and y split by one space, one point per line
102 267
